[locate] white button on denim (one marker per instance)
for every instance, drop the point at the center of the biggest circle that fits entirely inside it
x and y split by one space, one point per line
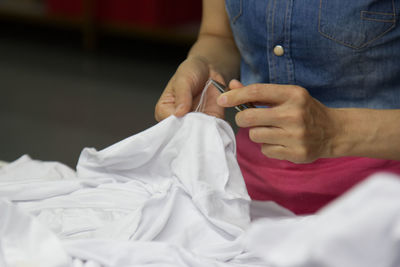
278 50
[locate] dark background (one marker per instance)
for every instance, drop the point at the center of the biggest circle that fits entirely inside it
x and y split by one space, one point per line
56 98
60 92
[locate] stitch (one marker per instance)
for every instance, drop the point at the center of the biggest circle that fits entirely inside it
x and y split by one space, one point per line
268 56
333 39
289 63
379 20
290 50
271 42
240 12
378 13
330 37
274 76
363 16
319 15
286 47
322 33
362 46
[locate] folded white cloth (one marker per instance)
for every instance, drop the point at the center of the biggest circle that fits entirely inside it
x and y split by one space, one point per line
177 183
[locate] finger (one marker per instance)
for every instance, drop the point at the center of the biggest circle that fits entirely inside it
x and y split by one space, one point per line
235 84
264 93
190 79
182 88
268 135
211 107
165 106
274 151
253 117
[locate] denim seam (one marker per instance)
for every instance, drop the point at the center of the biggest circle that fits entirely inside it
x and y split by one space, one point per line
268 56
346 43
379 13
380 20
240 12
289 62
271 16
273 41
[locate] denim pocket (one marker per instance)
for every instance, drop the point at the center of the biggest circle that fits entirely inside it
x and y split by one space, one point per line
356 23
234 9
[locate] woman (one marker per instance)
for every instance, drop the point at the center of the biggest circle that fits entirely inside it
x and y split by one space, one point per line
329 72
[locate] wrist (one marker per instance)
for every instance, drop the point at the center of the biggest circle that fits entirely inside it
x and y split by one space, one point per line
366 133
346 133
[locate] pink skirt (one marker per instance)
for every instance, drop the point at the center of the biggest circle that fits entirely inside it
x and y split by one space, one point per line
302 188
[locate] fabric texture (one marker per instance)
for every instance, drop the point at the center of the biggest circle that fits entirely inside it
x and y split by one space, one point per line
344 55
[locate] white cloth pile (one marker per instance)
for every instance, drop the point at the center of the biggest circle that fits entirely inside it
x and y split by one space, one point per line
173 195
175 189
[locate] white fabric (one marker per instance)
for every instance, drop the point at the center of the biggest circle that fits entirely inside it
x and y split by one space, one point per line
176 184
3 163
361 229
26 242
173 195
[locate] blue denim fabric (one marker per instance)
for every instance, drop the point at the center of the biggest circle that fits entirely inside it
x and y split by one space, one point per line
346 53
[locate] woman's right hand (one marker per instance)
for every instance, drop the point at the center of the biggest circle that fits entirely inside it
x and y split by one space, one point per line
184 90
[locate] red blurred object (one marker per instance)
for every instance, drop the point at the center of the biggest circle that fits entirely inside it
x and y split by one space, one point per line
135 12
68 8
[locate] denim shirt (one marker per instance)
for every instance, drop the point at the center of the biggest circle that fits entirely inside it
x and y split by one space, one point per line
346 53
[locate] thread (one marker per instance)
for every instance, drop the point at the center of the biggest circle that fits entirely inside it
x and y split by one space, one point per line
202 103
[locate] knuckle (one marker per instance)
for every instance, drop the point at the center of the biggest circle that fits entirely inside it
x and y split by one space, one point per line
239 119
255 91
247 117
185 78
254 135
283 116
300 94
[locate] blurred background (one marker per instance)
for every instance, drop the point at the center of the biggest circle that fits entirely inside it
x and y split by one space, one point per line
85 73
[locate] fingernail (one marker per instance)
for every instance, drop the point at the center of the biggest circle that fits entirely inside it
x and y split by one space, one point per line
222 100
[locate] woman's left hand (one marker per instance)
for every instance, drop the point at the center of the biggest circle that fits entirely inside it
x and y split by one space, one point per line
294 127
